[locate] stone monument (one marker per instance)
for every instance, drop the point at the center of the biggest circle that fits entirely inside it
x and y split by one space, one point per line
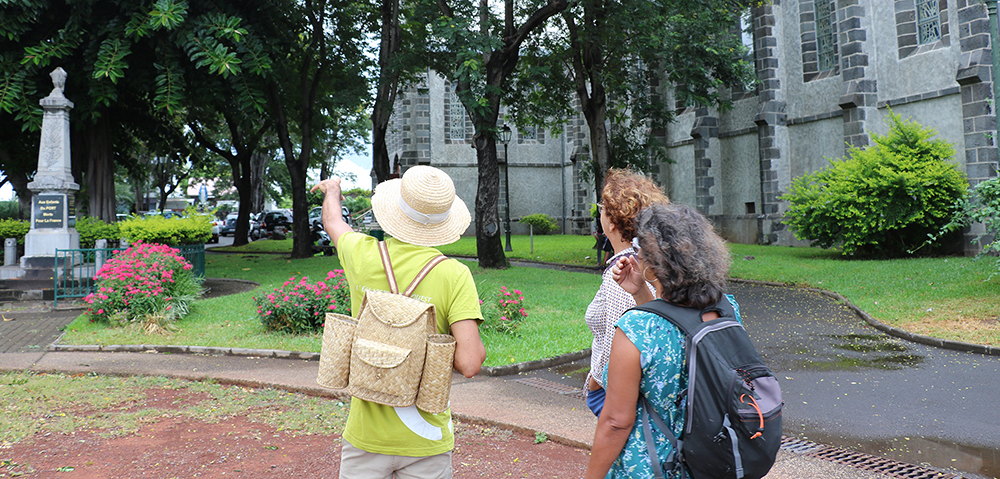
53 185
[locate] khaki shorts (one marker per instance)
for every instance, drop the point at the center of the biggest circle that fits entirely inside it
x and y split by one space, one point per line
358 464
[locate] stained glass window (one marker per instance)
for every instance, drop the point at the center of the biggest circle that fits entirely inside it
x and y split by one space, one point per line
826 50
928 21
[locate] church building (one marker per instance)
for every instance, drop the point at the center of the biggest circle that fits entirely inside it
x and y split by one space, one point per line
828 73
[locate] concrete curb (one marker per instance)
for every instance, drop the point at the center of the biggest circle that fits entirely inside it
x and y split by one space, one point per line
281 354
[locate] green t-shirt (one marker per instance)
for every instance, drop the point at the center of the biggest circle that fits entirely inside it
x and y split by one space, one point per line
450 288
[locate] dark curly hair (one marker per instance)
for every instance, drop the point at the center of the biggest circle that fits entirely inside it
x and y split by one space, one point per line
682 250
626 193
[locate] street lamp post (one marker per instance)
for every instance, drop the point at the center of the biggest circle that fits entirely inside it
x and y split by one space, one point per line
505 138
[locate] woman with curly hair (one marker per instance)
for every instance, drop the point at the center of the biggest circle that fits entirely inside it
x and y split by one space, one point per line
625 193
687 262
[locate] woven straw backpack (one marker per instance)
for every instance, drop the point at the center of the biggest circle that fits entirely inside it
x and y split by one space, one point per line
391 354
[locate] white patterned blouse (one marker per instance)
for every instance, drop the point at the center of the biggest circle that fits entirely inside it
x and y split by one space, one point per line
608 305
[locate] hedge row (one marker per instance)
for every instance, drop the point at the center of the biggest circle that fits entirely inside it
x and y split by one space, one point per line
192 229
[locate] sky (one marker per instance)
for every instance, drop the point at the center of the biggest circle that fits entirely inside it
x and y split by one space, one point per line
359 164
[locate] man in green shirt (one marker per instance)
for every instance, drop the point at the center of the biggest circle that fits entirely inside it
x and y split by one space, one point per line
419 211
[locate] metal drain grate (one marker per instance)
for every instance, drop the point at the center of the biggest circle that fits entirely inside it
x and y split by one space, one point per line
867 462
553 386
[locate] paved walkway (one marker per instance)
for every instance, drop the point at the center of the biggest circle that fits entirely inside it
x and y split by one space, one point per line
546 399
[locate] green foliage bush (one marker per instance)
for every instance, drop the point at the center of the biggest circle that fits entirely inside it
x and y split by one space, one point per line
883 200
981 205
14 228
92 229
192 228
357 204
541 223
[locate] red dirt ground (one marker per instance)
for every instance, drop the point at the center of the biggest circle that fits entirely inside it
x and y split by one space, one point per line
183 447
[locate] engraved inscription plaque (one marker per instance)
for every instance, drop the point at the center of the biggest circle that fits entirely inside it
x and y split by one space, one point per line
49 211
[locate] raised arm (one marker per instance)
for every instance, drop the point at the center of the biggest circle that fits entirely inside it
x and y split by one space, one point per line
333 222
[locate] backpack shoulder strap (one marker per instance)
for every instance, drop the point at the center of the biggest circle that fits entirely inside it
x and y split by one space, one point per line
688 320
675 459
383 251
423 274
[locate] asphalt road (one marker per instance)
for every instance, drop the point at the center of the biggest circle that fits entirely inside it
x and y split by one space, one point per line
848 384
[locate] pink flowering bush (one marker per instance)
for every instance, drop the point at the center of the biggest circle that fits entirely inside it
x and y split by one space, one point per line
148 284
506 312
299 306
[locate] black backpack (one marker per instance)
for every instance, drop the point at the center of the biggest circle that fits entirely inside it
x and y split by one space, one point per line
732 421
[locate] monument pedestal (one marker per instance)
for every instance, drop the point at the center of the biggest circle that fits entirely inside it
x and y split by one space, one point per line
49 230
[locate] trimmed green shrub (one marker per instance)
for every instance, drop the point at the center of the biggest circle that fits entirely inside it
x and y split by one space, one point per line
92 229
883 200
14 228
357 204
541 223
192 228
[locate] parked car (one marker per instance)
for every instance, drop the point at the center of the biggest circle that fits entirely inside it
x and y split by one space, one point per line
215 232
229 227
275 223
316 215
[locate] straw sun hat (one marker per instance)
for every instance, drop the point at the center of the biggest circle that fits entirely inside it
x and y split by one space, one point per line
421 208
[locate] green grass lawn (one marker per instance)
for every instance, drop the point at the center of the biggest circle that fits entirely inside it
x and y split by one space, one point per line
555 301
947 297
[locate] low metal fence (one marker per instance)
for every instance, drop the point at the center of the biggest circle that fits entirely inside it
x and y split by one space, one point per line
75 269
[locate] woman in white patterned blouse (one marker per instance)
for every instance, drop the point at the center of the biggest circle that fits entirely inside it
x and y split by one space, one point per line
625 193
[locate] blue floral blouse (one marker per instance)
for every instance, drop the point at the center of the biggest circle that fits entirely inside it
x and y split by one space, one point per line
664 375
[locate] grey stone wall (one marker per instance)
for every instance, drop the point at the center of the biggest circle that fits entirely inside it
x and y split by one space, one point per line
540 172
804 116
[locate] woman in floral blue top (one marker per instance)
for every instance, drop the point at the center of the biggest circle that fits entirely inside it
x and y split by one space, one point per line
687 262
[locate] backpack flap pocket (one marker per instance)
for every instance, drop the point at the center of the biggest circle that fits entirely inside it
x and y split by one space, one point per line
379 355
383 373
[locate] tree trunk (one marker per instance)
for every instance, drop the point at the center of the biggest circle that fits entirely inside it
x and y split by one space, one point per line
19 182
588 74
489 248
301 240
600 147
100 173
258 165
387 85
240 165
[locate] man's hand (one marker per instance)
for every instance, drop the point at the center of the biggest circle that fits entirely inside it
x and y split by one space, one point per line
328 186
